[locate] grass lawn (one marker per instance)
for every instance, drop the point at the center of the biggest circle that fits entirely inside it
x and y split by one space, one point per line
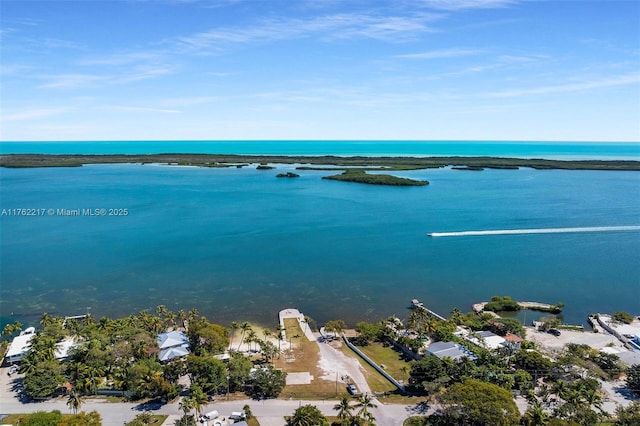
393 361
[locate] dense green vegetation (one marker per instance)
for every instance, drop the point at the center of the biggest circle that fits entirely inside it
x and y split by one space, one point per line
623 317
562 388
360 176
502 303
122 355
392 163
55 418
477 403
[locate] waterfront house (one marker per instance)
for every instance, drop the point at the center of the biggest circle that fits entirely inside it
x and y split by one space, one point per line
20 345
64 347
485 339
449 349
173 344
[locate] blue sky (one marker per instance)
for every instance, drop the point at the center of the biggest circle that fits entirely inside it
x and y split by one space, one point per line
322 69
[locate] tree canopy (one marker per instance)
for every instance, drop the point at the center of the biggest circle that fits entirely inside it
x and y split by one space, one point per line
478 403
307 415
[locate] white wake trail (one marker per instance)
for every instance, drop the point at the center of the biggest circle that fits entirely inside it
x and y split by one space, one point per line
535 231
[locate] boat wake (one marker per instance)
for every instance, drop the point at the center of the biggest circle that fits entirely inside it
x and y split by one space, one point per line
535 231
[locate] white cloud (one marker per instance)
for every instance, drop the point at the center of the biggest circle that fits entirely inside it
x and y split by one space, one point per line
570 87
467 4
121 59
70 81
441 53
124 108
346 25
31 114
188 101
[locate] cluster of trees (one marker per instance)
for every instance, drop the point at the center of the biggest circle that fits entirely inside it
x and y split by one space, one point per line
502 303
623 317
348 414
121 354
570 391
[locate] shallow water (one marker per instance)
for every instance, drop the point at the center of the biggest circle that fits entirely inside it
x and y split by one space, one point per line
240 244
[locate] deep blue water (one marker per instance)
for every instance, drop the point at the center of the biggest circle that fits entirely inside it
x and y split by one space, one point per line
565 150
240 244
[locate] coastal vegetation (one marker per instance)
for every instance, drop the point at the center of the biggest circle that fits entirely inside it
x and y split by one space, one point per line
360 176
122 355
506 304
55 418
499 303
390 163
562 387
623 317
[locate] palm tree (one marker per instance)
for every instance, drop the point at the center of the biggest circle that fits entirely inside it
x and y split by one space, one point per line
365 403
456 315
404 370
343 408
279 329
182 316
170 319
266 333
193 315
233 326
9 329
535 415
244 327
186 405
74 402
198 397
47 320
308 320
46 347
251 337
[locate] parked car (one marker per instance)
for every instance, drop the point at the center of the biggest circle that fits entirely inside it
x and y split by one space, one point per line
237 415
352 389
554 331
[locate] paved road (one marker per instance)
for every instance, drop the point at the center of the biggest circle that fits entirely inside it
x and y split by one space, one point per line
269 412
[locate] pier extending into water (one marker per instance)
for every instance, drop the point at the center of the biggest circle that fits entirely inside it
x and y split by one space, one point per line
417 304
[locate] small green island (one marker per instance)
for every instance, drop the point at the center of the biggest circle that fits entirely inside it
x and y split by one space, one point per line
361 176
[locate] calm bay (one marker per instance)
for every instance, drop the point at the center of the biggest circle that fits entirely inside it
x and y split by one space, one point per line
240 244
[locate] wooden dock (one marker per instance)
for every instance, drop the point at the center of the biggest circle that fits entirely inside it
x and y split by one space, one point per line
416 304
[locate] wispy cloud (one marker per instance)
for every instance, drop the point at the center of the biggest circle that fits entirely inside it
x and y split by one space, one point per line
622 80
120 59
71 81
121 76
32 114
441 53
468 4
346 25
188 101
125 108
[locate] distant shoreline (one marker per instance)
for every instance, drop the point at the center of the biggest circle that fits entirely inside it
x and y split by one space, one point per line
388 163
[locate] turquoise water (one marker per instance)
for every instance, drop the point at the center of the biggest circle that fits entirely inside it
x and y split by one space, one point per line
239 244
564 150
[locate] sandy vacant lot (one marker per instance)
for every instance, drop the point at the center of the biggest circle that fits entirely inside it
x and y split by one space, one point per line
549 341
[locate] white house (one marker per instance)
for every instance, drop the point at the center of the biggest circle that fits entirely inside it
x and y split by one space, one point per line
173 344
449 349
20 345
